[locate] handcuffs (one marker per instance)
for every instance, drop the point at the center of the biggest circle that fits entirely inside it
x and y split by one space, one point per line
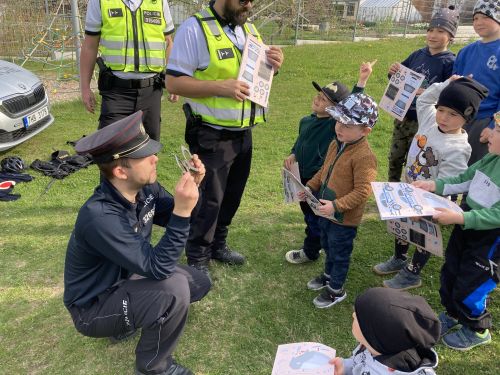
184 161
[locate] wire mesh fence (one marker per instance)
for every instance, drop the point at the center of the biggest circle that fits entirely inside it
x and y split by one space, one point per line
43 30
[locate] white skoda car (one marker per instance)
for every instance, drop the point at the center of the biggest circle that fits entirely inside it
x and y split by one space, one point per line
24 105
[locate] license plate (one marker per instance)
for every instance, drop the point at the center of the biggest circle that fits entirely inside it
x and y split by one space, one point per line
35 117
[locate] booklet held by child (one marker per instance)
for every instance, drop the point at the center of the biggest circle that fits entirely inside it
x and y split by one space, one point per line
292 185
398 199
304 358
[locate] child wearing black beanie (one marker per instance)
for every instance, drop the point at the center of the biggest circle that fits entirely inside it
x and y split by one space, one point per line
396 332
439 149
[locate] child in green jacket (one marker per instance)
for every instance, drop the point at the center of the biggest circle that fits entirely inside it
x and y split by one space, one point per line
470 272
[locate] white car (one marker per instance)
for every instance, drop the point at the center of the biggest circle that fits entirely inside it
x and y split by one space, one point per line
24 105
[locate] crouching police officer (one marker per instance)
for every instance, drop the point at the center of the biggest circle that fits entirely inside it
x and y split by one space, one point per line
115 281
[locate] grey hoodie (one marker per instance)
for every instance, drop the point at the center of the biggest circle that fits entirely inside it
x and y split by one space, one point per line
363 363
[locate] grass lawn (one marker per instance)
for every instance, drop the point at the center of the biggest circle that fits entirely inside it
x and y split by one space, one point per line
252 309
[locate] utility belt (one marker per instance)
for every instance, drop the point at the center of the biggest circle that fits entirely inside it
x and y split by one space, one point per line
107 80
194 125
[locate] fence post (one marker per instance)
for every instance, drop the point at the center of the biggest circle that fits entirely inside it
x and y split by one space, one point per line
355 22
408 10
297 22
75 20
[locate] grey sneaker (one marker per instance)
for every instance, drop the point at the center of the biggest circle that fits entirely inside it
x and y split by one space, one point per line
447 323
391 265
329 297
466 339
319 282
404 280
297 256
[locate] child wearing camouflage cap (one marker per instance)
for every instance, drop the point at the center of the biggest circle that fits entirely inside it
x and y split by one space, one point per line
316 131
343 187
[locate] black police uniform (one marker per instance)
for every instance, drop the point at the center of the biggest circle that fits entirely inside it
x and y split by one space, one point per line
110 241
115 281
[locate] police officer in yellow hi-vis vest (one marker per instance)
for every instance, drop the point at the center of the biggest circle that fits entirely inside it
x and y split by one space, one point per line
203 67
134 40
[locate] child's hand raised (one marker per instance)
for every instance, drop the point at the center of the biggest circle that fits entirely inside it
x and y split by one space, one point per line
365 71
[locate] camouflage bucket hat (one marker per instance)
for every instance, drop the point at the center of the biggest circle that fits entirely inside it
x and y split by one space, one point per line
356 109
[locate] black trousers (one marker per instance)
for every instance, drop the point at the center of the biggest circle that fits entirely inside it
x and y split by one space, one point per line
312 240
118 103
469 274
159 307
227 156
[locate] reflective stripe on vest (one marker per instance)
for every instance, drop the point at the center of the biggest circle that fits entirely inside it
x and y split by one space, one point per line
216 110
133 41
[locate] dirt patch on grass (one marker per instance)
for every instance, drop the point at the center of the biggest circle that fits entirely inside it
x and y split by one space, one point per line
63 90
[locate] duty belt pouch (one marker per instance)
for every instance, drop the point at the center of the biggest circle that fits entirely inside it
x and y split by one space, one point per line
104 81
192 124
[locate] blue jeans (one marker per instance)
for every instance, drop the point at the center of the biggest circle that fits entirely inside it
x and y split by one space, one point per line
337 241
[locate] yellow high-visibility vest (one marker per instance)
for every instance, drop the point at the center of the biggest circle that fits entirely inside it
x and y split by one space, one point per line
133 41
224 64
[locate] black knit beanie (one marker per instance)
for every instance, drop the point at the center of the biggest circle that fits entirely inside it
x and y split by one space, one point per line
446 19
392 321
463 95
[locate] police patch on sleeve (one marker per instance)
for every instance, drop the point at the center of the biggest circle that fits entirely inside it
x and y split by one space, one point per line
225 53
115 12
152 17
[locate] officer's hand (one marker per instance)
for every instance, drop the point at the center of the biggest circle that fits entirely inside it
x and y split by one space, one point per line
88 99
198 164
275 57
172 98
235 89
186 195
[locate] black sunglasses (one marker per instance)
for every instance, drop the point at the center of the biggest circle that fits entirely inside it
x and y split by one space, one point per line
245 2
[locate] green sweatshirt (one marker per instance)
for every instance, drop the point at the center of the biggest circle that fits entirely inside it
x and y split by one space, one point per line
482 182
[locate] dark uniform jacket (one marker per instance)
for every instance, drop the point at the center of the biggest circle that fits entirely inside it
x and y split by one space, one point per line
111 240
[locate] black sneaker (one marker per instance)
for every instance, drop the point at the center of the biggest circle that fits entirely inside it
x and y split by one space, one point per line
203 267
123 336
329 297
226 255
174 369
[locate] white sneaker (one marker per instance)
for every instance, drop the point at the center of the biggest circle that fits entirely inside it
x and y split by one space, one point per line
297 256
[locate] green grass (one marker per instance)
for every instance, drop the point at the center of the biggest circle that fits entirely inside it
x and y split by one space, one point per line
235 330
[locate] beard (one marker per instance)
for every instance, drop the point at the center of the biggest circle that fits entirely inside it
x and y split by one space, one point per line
236 16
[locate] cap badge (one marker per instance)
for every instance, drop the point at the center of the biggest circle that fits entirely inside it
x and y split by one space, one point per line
332 87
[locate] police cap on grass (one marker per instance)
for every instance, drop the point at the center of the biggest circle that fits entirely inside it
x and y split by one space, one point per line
125 138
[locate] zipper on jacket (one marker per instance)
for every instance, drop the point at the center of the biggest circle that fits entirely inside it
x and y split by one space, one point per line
136 41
